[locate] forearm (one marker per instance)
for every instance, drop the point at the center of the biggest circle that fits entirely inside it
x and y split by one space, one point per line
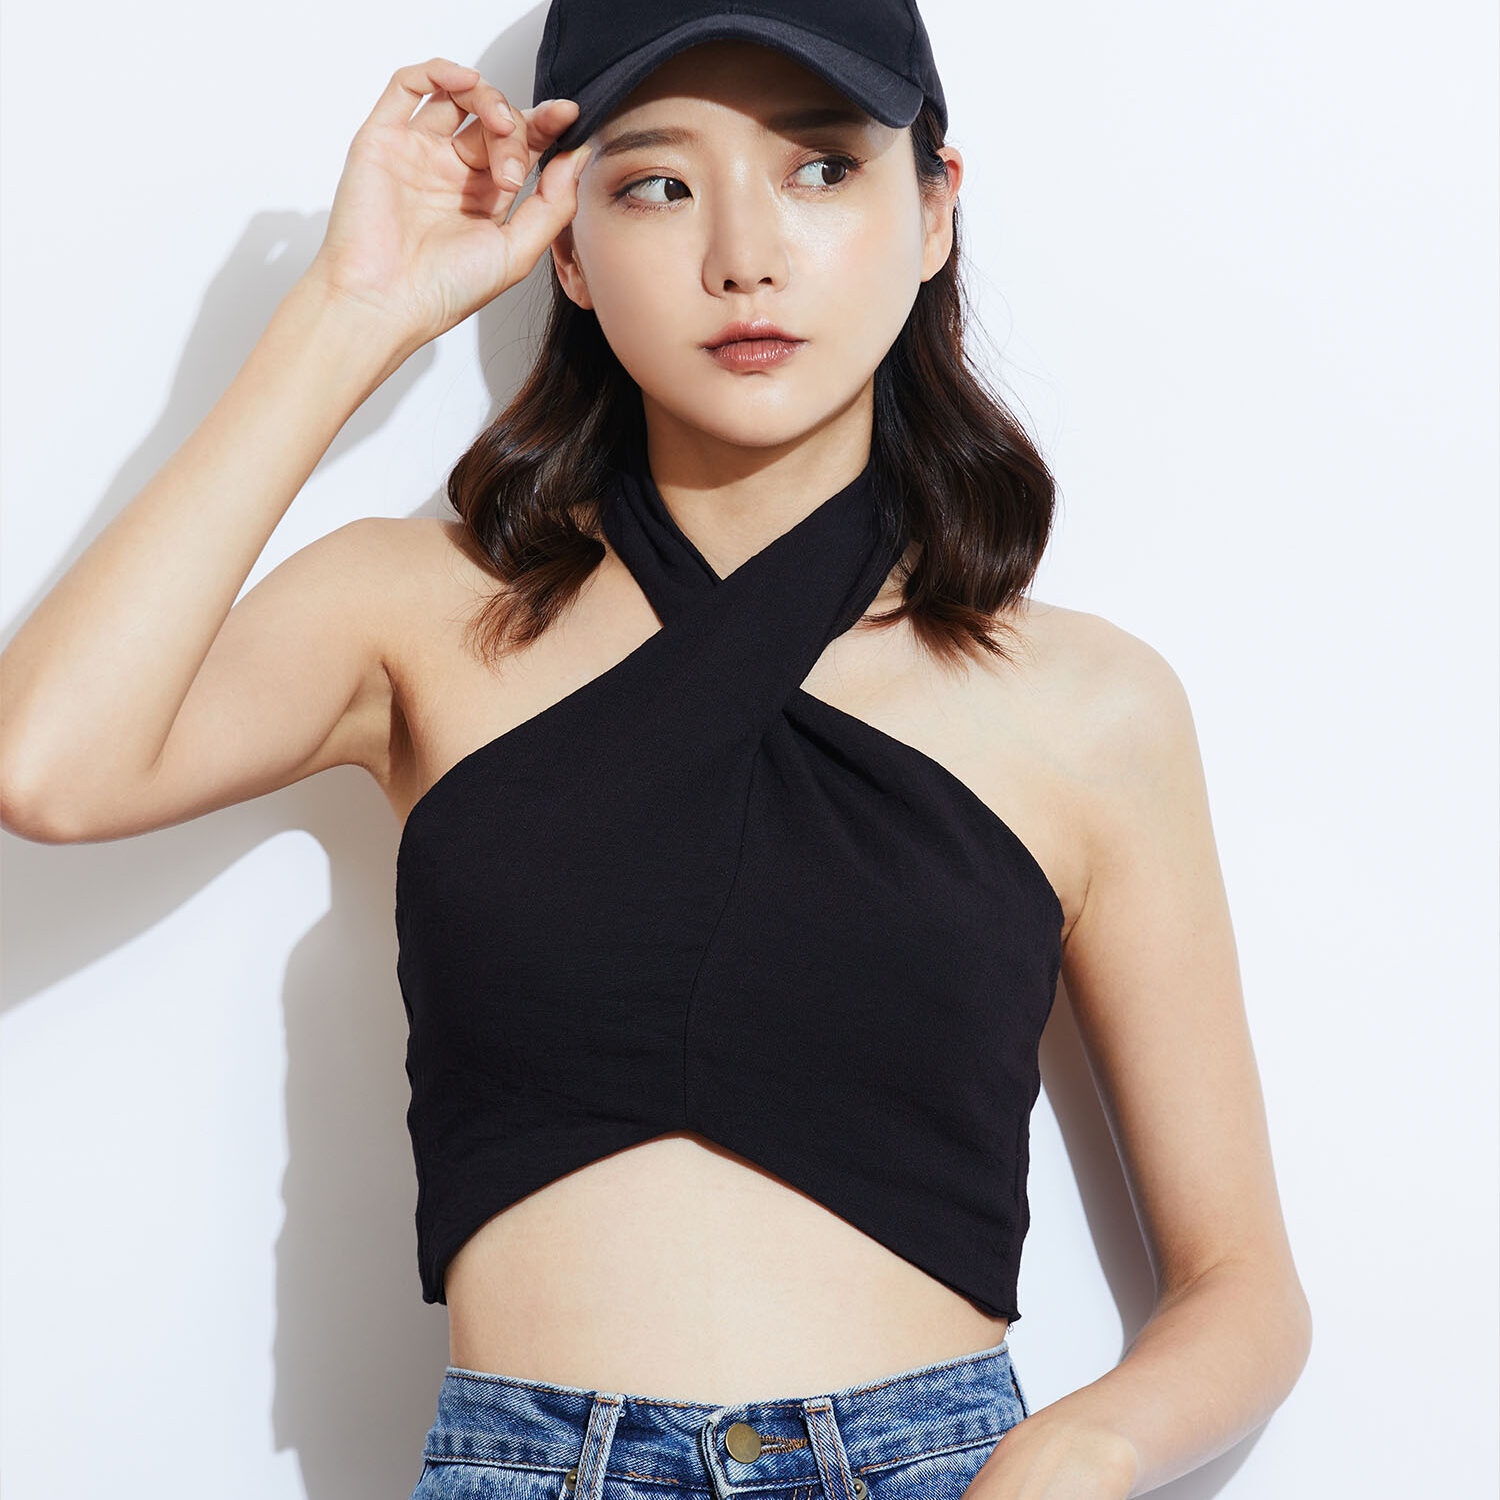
1212 1364
93 679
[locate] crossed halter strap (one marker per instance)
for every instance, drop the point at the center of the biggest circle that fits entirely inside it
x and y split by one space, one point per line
736 649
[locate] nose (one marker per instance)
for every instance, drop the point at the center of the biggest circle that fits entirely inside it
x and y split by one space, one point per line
746 246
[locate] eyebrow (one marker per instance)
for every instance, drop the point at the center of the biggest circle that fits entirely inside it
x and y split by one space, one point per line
791 122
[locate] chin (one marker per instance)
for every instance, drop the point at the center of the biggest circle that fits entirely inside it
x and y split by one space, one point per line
747 429
746 410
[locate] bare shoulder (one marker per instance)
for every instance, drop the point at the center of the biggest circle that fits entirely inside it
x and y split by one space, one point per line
1118 697
416 575
428 573
415 555
1125 747
303 667
1101 735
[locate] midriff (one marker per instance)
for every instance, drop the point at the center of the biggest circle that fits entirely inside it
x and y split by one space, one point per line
679 1269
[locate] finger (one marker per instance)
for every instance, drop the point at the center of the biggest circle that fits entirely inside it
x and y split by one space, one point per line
408 86
511 158
546 121
438 115
443 114
472 145
513 153
542 217
480 148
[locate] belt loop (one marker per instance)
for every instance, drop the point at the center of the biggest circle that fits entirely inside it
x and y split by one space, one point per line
708 1437
838 1479
587 1479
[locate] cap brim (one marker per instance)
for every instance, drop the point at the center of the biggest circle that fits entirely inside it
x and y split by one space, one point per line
890 98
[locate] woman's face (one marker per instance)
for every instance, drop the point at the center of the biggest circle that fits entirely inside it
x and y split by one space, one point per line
741 214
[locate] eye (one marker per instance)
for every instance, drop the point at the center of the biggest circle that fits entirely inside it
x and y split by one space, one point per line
631 201
838 162
847 165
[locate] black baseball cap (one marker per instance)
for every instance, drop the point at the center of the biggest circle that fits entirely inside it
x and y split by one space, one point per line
596 51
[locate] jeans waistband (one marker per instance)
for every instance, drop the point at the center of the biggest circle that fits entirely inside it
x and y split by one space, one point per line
831 1439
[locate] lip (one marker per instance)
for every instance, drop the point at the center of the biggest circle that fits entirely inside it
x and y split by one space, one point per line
759 328
753 354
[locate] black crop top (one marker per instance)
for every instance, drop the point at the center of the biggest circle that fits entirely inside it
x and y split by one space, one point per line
691 895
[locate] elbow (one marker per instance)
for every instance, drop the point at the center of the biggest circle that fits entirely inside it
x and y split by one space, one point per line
27 812
1292 1313
1270 1291
1303 1318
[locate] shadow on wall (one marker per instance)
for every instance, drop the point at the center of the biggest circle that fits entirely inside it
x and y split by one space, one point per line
358 1356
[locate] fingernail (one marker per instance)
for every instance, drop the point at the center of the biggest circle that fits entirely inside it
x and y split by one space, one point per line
582 157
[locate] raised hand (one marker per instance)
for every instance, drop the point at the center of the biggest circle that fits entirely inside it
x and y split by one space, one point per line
418 228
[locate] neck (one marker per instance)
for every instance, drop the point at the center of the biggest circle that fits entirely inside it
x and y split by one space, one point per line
731 501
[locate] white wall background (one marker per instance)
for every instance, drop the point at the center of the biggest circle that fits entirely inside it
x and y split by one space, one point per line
1239 267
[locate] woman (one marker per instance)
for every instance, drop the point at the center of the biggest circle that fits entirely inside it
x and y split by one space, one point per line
750 809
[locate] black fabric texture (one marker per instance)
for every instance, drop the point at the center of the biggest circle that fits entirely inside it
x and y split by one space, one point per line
692 896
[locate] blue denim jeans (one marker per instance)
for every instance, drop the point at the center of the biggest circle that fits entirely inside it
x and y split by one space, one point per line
921 1434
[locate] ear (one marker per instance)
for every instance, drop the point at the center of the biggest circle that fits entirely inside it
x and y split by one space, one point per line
937 216
569 272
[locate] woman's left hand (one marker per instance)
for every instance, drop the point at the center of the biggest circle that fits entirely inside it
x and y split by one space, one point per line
1056 1459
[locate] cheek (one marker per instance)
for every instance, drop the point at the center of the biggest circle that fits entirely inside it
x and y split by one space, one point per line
639 304
866 278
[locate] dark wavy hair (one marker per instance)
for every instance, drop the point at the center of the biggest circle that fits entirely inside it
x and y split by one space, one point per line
976 498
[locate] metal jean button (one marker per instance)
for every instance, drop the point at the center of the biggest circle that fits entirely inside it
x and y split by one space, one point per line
743 1442
570 1478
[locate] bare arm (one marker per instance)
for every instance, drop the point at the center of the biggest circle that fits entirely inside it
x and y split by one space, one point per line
1153 978
94 681
135 695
